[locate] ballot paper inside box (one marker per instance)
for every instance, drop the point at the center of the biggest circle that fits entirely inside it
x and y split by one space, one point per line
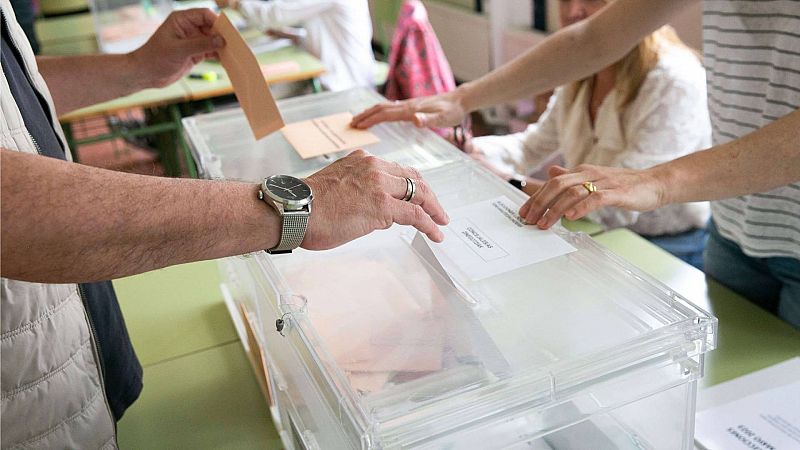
391 342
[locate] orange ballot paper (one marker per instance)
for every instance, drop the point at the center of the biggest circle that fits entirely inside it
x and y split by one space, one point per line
325 135
249 84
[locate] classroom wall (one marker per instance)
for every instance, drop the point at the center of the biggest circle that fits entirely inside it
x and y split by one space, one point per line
469 39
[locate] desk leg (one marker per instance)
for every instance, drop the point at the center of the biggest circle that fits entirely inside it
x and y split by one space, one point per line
165 142
316 85
175 115
71 142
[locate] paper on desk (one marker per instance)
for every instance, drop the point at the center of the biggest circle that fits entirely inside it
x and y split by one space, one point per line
488 238
325 135
769 420
248 82
269 70
785 372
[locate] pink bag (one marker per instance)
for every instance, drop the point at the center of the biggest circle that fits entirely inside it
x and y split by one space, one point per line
417 64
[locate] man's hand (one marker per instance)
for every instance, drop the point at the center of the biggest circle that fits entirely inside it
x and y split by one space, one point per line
361 193
183 40
564 194
444 110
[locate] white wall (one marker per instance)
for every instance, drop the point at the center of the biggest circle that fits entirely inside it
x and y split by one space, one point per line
475 43
465 39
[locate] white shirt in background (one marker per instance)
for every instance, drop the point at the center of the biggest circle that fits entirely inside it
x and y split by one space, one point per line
667 119
339 34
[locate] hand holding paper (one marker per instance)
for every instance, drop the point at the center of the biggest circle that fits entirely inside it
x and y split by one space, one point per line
248 81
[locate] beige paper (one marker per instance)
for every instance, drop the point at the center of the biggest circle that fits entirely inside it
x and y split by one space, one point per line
248 82
279 68
381 328
325 135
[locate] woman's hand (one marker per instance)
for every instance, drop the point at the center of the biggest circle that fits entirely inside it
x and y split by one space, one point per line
445 110
532 185
564 194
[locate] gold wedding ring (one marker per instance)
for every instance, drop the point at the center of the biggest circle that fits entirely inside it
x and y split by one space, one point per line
589 186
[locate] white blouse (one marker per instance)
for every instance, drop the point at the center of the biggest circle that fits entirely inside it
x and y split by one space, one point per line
666 120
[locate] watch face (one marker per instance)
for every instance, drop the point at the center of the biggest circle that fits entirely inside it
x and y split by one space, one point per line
288 189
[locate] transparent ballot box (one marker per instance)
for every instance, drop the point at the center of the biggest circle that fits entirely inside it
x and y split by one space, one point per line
380 347
124 25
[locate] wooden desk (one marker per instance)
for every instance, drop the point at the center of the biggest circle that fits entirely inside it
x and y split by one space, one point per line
749 338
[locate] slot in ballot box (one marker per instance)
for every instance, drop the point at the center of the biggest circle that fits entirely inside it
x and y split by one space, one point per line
389 343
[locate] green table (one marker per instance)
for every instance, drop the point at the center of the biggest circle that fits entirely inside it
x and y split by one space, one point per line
66 35
749 337
207 400
199 388
53 7
175 312
583 226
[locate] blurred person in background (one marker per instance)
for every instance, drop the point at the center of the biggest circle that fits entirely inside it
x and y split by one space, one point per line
339 33
647 108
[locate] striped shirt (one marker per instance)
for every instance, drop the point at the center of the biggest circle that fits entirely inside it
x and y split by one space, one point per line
752 57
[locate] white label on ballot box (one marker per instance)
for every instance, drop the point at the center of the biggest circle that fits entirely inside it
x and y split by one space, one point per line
768 420
489 238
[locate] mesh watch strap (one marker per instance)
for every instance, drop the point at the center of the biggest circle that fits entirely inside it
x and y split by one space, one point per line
292 232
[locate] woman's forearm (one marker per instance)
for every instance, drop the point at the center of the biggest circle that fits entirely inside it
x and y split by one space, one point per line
760 161
572 53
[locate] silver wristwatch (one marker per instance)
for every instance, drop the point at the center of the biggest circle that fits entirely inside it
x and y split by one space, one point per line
291 197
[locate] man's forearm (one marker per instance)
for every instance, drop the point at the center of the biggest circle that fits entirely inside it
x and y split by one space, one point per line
572 53
79 81
71 223
760 161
